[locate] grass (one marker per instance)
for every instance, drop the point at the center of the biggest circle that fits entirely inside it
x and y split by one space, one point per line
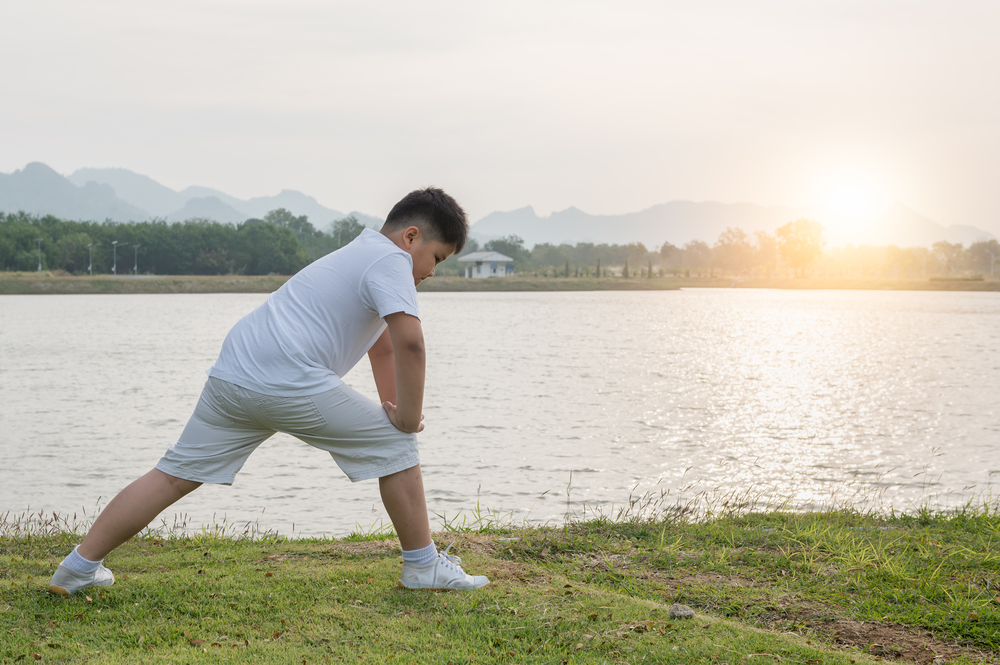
199 600
805 572
58 282
839 586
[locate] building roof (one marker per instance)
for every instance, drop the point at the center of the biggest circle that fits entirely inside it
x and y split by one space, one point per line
486 256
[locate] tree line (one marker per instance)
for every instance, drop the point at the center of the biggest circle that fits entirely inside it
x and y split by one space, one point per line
796 248
280 243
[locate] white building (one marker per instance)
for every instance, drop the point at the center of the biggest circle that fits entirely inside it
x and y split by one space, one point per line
487 264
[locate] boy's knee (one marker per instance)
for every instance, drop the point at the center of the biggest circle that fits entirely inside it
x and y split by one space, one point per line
179 485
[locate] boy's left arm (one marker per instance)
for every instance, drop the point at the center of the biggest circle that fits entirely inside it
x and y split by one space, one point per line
383 362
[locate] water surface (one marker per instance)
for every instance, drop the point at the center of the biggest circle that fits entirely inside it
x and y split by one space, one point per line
805 394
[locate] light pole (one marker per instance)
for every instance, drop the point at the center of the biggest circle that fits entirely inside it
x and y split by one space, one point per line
135 268
114 267
90 258
993 260
39 254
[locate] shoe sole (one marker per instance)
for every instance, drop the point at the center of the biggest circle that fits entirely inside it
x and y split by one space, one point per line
437 588
58 590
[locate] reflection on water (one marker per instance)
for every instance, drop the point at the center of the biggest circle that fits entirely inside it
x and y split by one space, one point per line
806 394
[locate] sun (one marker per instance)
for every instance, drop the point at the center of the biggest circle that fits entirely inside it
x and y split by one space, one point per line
850 199
855 198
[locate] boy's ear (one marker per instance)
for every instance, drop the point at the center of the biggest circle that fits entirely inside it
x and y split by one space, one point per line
410 234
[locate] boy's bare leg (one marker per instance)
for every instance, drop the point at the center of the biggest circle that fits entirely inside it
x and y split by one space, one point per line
132 510
403 498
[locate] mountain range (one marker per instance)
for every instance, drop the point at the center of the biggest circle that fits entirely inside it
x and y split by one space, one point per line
122 195
680 222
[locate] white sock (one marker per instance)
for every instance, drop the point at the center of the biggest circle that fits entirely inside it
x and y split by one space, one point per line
76 562
421 557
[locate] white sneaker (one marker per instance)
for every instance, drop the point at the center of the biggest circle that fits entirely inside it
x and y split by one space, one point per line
66 582
445 572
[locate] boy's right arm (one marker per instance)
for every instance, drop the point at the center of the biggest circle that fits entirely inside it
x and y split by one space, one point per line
408 348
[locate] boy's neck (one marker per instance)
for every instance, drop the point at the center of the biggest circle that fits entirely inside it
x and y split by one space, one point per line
399 237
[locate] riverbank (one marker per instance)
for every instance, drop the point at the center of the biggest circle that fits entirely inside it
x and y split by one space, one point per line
53 283
834 587
673 283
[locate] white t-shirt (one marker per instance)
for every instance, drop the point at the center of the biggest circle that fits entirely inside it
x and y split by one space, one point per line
318 325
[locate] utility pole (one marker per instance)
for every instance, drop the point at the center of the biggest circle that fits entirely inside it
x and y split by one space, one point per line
135 268
39 254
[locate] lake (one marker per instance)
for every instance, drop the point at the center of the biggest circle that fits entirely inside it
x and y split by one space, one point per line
536 403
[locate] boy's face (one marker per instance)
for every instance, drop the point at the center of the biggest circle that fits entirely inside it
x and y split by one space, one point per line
426 254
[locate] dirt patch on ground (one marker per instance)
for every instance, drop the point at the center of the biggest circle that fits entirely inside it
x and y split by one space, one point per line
889 641
473 545
884 640
364 548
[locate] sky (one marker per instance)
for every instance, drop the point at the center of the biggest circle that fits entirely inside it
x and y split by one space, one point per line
610 107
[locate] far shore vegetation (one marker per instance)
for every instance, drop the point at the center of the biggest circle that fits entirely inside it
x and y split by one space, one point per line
59 254
58 282
841 585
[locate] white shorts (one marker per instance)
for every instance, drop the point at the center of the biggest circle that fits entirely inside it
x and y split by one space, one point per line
230 422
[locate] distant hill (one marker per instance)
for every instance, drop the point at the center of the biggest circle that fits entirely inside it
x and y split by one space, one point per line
161 201
122 195
677 222
680 222
903 227
139 190
208 207
40 190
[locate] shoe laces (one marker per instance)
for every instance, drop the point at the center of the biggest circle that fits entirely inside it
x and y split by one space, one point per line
453 559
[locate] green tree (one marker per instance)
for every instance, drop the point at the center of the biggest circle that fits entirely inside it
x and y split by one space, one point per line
270 249
984 255
512 246
345 230
733 251
697 254
765 253
18 248
598 267
73 252
625 269
649 268
300 225
636 252
950 254
547 254
800 243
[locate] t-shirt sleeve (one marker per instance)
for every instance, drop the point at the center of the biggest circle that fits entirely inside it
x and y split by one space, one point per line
388 287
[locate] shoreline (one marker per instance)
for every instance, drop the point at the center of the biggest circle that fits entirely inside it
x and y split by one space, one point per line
48 283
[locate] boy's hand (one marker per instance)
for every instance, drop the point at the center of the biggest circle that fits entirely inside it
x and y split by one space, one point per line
390 410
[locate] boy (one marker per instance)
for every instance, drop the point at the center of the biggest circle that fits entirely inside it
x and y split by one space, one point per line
279 370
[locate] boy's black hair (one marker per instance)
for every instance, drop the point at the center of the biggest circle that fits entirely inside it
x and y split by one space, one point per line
438 216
